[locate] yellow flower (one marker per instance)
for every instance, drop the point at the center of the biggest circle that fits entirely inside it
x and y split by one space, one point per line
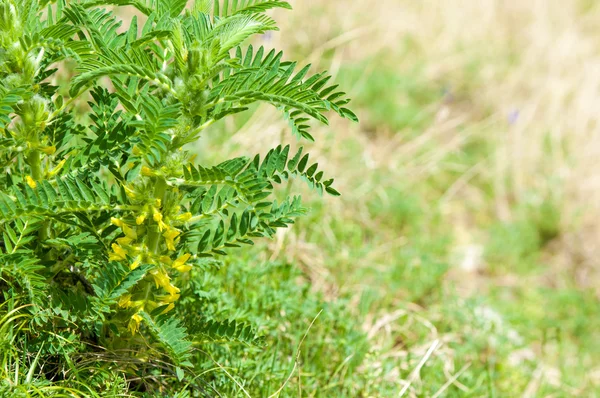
56 169
124 241
169 298
136 151
118 253
159 220
129 192
134 323
128 231
161 278
184 217
169 308
49 150
165 260
30 182
172 290
147 171
180 264
136 263
170 236
125 301
140 219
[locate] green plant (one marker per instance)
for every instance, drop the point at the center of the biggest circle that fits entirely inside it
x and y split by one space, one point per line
103 215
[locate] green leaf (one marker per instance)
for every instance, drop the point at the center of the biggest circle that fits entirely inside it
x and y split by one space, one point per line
171 336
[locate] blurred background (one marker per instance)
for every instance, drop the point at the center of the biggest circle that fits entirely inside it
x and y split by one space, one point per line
462 256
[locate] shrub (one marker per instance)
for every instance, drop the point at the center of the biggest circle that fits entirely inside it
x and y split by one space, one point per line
105 216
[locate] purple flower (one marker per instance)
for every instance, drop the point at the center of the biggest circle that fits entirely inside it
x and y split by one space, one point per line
513 116
267 36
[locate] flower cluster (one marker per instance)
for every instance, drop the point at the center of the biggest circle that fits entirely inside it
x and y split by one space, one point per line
129 249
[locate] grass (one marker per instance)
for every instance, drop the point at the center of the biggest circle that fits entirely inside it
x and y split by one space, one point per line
460 260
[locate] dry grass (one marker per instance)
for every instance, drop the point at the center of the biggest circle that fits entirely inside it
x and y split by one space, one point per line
523 76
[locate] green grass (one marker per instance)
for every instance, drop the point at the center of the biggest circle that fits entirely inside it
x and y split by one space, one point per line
385 261
398 100
382 264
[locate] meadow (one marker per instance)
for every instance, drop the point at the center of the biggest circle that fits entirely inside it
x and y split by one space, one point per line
461 258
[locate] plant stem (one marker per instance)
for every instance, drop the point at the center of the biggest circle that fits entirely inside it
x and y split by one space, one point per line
35 163
160 189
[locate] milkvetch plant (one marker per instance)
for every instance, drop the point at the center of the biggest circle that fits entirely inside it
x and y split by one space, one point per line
105 216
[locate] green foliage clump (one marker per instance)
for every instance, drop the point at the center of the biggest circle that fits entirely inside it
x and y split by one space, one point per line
314 345
106 221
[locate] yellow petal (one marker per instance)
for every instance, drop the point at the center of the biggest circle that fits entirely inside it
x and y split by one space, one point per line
171 233
183 268
119 253
128 231
147 171
140 219
30 182
182 259
169 308
159 219
136 263
124 241
180 264
170 236
165 260
171 289
125 301
49 150
161 279
169 298
129 192
56 169
134 323
184 217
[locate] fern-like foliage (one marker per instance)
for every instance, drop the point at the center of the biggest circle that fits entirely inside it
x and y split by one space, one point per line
228 331
171 335
104 212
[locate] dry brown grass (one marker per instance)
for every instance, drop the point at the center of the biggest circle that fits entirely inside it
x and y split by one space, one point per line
526 76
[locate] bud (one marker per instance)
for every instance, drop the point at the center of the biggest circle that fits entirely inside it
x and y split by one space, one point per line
134 323
49 150
147 172
140 219
58 167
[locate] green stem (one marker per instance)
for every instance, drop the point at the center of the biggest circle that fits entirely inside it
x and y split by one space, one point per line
35 163
199 129
160 189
